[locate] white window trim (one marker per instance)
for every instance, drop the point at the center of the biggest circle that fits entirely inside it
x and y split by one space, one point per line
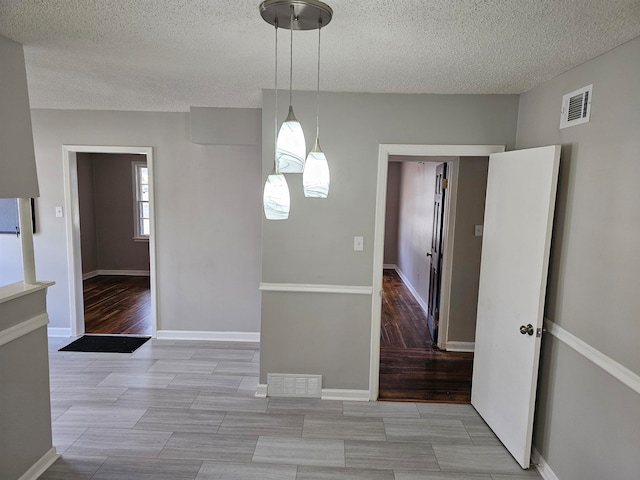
137 237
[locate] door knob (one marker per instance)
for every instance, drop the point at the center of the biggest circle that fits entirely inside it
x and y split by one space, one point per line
526 329
429 254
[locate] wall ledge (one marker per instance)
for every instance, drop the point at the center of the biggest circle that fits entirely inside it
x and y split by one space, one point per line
23 328
41 465
608 364
315 288
20 289
208 336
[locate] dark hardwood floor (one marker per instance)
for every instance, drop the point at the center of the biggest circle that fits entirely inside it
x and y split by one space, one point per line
117 305
411 367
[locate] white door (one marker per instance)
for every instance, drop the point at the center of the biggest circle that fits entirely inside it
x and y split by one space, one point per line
521 192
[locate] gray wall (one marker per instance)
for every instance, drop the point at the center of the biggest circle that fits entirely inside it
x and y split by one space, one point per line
10 259
587 422
467 248
113 211
392 214
415 230
315 245
208 203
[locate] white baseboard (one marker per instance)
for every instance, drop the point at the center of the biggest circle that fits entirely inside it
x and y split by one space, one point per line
129 273
208 336
390 266
88 275
413 291
328 394
345 394
461 346
261 391
58 332
543 467
41 465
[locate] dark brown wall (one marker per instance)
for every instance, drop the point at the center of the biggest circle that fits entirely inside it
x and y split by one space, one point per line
112 222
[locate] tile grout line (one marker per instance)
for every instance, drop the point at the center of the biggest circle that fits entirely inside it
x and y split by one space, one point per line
101 465
435 457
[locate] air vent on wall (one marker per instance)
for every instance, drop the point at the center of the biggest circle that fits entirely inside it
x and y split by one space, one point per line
576 107
287 385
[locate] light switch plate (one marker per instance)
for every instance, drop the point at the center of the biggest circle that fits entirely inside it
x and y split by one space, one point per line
478 230
59 212
358 244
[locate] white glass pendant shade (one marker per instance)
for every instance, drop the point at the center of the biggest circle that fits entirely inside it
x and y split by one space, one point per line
276 199
291 146
315 179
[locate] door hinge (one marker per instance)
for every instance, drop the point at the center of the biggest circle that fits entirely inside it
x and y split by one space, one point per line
445 183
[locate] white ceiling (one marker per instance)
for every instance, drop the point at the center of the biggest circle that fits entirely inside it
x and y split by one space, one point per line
168 55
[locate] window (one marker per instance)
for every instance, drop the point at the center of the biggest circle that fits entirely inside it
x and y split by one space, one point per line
142 225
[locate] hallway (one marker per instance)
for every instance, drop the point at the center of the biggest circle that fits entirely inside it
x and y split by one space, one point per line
411 367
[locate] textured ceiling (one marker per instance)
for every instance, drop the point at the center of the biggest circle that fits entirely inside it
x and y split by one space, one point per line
169 55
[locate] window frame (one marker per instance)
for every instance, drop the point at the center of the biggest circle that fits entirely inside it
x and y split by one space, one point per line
137 201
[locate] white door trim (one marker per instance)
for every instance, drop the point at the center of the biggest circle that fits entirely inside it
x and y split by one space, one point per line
384 150
72 221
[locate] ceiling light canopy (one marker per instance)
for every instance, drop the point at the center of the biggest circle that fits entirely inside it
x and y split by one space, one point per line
307 13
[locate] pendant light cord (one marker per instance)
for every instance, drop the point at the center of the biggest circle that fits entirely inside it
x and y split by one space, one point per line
275 141
291 61
318 90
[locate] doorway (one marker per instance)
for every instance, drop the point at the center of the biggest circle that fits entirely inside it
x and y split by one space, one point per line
113 195
411 365
412 368
135 289
452 154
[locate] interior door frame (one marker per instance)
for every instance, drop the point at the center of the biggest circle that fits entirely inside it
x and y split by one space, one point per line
72 223
384 151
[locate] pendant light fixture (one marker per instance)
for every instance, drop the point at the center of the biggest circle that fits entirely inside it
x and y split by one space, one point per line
316 179
293 15
276 200
291 145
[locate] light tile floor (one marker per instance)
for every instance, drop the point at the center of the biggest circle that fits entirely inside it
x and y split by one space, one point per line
183 410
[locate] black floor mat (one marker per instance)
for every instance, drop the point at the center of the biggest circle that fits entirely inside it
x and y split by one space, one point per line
105 343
